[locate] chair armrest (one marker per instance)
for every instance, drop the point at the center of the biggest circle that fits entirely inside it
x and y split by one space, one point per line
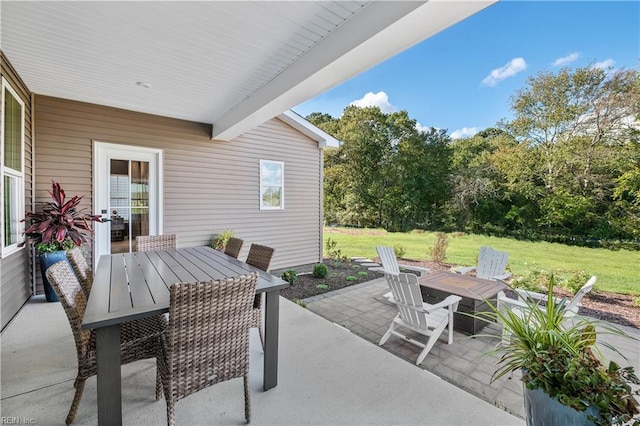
523 295
464 270
421 271
451 300
510 303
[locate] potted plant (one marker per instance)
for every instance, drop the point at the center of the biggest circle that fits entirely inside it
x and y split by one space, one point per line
58 227
565 379
219 241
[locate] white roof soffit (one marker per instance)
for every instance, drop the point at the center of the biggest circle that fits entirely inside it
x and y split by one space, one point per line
345 53
301 124
234 64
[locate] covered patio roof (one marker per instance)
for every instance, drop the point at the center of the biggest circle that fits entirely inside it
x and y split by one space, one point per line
231 64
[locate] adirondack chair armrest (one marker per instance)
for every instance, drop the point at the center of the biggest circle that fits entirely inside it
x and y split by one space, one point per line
464 270
450 302
503 277
420 271
524 295
509 303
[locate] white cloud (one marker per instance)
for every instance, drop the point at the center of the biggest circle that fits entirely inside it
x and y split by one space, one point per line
571 57
465 132
512 68
380 99
421 128
604 65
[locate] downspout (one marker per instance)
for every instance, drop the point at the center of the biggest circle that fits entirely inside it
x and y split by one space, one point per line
321 209
33 189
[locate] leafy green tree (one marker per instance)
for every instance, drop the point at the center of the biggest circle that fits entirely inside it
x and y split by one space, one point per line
424 164
577 125
386 173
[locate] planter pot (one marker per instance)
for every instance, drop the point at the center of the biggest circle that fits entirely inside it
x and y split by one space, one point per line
46 260
542 410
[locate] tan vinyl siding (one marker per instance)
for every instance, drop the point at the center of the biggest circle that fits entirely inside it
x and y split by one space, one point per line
16 285
209 185
15 269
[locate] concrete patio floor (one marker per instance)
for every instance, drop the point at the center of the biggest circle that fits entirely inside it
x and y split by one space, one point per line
362 309
327 375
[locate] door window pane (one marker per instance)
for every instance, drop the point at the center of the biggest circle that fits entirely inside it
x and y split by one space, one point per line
128 203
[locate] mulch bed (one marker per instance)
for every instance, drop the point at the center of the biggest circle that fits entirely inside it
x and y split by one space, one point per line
612 307
307 285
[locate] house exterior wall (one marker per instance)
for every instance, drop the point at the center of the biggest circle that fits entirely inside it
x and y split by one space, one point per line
209 186
15 269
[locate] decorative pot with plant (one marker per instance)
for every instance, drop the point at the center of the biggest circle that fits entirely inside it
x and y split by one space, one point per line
58 227
562 369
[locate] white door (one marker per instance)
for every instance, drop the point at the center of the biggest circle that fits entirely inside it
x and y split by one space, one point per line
127 188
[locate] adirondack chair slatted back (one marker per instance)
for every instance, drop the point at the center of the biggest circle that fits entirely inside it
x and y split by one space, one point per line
388 260
491 262
408 297
574 304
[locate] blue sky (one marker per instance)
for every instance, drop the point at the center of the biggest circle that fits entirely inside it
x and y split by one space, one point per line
461 79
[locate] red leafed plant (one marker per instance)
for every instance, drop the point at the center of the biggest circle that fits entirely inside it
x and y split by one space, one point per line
60 225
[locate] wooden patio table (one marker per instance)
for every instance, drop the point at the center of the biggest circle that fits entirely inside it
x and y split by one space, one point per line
474 291
129 286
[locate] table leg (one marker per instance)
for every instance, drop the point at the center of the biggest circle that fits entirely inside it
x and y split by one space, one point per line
271 324
109 375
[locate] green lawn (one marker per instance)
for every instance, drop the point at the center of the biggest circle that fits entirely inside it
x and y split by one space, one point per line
617 271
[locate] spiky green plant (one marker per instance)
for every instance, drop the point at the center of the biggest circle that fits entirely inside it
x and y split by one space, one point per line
220 240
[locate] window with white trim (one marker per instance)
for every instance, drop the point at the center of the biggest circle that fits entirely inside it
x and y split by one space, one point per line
12 168
271 185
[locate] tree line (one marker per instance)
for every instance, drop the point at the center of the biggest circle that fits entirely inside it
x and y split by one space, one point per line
566 168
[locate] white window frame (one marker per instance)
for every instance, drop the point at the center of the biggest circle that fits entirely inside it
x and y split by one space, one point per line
18 175
263 186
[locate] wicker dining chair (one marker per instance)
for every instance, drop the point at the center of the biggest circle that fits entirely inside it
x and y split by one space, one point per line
80 266
140 339
207 338
233 247
156 242
260 257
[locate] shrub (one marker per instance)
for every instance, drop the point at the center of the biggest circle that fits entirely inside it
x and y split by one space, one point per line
575 281
290 276
299 302
399 251
535 280
363 273
636 301
351 278
439 250
320 270
322 286
333 252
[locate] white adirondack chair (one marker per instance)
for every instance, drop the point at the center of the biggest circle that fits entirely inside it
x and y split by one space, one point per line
390 265
491 265
414 314
519 306
390 262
